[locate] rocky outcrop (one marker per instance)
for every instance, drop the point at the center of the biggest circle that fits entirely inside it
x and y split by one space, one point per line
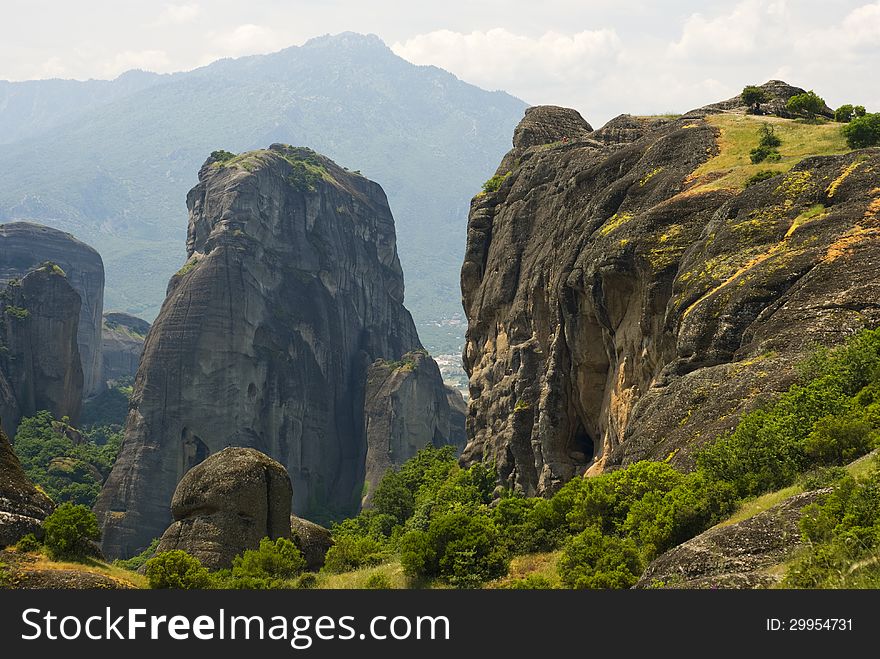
407 407
122 340
292 289
776 93
621 307
22 506
312 540
25 246
739 555
39 359
227 504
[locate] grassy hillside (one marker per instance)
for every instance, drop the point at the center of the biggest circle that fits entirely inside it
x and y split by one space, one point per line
738 135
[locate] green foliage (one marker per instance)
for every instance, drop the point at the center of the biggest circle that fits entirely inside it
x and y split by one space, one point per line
760 176
843 536
66 471
306 581
394 498
28 543
352 550
17 312
69 530
461 548
378 581
272 566
177 570
135 562
768 146
110 407
753 96
808 104
530 582
863 131
816 422
495 182
221 156
592 559
844 114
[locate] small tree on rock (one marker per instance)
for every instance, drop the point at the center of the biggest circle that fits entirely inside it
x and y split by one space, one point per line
753 96
808 104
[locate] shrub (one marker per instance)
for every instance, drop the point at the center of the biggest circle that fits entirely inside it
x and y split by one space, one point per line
69 530
808 104
768 143
351 551
461 548
837 440
844 114
863 131
378 581
306 581
394 498
494 183
859 111
761 176
178 570
274 560
135 562
530 582
753 96
593 560
28 543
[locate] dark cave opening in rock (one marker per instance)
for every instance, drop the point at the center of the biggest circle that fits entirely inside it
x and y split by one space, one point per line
582 448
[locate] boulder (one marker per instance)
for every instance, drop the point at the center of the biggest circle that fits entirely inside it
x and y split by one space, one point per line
313 540
227 504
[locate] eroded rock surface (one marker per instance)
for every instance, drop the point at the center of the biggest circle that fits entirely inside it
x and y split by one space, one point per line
40 365
24 246
22 506
620 308
227 504
313 540
292 289
122 345
407 408
740 555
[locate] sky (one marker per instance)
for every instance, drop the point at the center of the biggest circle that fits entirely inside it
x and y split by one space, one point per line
602 57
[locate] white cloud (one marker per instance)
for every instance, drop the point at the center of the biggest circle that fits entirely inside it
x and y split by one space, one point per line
246 39
148 60
177 14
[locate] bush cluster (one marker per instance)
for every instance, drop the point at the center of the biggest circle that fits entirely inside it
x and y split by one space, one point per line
768 146
863 132
69 531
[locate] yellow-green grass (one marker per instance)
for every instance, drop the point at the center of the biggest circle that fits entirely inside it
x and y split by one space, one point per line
392 570
92 566
732 167
540 564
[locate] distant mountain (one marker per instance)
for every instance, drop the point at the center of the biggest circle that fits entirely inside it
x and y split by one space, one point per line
111 161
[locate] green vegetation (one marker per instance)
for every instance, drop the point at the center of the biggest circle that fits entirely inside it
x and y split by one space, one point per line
842 533
732 166
809 104
178 570
220 157
28 543
768 146
494 183
69 530
863 132
268 567
759 177
68 464
753 96
188 267
135 562
16 312
107 410
846 113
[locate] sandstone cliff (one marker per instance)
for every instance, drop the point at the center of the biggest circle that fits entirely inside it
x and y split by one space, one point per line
292 289
227 504
25 246
39 359
122 342
624 303
407 407
22 506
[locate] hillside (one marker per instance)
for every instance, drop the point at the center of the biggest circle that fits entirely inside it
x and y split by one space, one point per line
111 162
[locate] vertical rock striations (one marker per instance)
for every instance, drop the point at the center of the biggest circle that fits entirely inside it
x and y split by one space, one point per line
22 506
407 407
39 360
292 289
122 342
25 246
622 306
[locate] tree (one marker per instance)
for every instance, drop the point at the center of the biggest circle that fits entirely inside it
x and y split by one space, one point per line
859 111
177 569
69 530
844 114
809 104
753 96
768 143
274 560
593 560
863 132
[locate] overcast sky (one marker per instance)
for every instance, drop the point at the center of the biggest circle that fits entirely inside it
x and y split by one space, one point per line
602 57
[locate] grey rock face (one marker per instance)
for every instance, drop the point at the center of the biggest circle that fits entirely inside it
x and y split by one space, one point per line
25 246
734 556
39 362
292 289
618 311
22 506
122 339
407 407
227 504
777 93
545 124
313 540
